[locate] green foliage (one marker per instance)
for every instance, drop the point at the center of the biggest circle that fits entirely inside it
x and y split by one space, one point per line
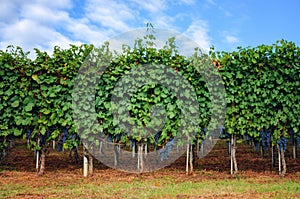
262 87
131 67
36 94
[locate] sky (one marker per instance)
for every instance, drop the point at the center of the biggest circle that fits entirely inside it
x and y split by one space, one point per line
224 24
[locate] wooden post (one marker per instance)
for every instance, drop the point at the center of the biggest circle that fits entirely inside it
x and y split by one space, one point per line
85 162
198 148
279 160
140 165
234 154
100 148
231 158
116 155
261 151
37 156
233 162
273 160
37 161
133 151
283 163
91 166
191 159
187 159
294 149
272 153
43 161
146 148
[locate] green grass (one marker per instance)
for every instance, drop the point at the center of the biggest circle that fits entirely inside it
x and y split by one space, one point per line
157 188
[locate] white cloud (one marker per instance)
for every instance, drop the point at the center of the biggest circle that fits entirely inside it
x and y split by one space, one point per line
110 14
226 12
45 15
36 24
163 21
29 35
154 12
57 4
45 23
153 6
231 39
187 2
8 11
209 4
198 32
221 9
86 33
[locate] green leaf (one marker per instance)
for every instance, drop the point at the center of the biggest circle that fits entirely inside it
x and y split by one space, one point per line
15 104
43 130
17 132
45 111
29 107
18 120
35 77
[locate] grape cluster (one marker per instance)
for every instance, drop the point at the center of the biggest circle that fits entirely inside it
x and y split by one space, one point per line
295 138
165 152
282 143
265 139
223 134
156 139
63 139
132 142
256 144
298 140
42 138
29 132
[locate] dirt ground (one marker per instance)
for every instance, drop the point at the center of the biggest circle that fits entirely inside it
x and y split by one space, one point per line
216 165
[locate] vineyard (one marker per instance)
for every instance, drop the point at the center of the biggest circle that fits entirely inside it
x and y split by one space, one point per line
46 106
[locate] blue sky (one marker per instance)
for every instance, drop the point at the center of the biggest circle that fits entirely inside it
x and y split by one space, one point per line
224 24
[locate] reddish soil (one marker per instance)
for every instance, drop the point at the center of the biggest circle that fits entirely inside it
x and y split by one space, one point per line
216 165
